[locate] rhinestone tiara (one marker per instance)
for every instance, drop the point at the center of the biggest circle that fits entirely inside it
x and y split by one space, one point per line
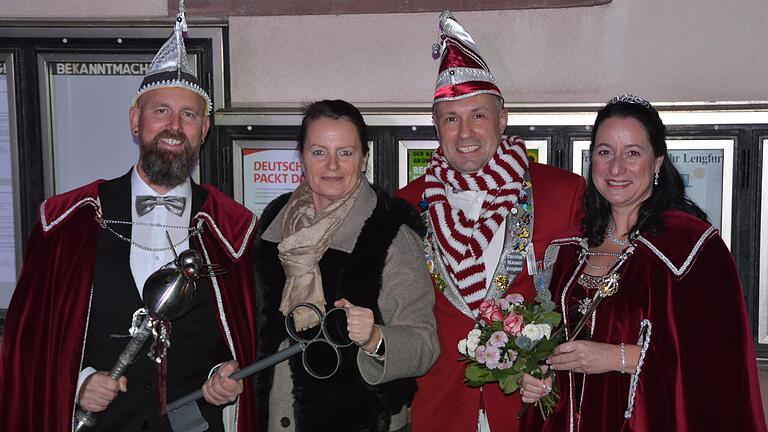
630 98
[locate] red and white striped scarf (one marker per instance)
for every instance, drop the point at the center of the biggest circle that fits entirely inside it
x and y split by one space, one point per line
462 241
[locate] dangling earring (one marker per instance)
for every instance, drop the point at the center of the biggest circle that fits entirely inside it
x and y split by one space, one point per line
656 179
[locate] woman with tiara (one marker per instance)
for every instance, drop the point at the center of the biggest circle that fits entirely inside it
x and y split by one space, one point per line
666 344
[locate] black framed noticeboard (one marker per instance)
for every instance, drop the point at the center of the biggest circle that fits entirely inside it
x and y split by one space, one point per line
762 298
10 238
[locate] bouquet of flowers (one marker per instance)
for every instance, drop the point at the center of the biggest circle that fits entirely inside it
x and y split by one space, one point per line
511 338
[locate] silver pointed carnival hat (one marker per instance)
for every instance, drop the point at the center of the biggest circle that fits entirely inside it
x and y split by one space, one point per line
170 67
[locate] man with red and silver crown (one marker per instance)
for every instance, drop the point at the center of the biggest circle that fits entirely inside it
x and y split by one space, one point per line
490 214
88 259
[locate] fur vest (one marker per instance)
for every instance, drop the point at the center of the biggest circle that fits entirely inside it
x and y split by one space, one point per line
343 402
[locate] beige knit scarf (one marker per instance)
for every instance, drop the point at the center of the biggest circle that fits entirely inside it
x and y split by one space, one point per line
306 237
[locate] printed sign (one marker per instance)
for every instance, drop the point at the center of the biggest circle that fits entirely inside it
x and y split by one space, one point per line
533 155
418 160
99 68
267 174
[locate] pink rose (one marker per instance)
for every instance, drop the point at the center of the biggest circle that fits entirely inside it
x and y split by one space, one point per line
490 312
513 324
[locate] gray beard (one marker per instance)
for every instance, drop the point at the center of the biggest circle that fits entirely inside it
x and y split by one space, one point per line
165 168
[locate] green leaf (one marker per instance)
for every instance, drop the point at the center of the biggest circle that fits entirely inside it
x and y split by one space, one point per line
552 318
475 372
508 384
475 383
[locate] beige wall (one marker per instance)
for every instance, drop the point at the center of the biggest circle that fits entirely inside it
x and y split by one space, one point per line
665 50
82 8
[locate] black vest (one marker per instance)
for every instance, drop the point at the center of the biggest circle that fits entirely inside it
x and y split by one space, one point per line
344 402
196 342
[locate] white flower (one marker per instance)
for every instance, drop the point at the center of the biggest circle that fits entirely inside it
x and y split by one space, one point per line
473 340
535 332
547 329
463 347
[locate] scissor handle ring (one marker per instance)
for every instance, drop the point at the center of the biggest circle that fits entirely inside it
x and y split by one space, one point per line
291 329
311 370
326 333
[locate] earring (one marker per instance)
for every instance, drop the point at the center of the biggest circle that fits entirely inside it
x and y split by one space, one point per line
656 179
135 131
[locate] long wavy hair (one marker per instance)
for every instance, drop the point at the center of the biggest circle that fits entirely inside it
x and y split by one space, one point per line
668 194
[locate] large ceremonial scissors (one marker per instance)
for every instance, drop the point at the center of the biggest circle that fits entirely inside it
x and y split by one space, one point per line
320 346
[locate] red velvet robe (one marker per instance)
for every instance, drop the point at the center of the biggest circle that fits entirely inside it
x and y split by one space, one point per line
444 403
699 371
47 318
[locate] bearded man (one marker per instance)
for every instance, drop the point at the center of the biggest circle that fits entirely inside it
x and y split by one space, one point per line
86 264
490 214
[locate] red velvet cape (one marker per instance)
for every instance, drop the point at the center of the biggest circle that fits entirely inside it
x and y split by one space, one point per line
444 403
699 372
46 323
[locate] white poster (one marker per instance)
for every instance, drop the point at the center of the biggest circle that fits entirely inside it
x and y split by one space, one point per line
267 174
7 230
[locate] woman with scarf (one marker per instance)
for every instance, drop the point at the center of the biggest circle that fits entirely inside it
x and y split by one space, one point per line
667 346
336 242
